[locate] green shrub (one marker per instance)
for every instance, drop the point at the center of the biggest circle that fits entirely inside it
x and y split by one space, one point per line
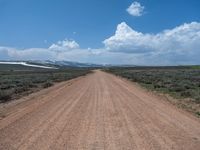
186 94
198 114
21 89
5 95
47 84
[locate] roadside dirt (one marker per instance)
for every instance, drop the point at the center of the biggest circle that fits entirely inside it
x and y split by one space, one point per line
99 111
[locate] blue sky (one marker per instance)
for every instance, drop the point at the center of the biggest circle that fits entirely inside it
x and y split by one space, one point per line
63 29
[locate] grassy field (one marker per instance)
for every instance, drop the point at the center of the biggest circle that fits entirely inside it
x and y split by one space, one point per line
17 81
183 83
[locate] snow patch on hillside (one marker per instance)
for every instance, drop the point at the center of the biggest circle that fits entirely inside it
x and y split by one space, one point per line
26 64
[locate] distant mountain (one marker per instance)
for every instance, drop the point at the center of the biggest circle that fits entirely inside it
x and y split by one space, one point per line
118 65
47 64
63 64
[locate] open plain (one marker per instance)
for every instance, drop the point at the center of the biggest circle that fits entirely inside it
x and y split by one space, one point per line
97 111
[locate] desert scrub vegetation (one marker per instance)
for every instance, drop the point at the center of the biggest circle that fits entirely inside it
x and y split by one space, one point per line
180 82
16 83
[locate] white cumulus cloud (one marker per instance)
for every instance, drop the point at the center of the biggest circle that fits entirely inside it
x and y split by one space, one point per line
127 40
62 50
64 45
184 38
177 46
135 9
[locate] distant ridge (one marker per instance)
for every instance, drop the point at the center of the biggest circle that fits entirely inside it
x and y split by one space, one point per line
47 64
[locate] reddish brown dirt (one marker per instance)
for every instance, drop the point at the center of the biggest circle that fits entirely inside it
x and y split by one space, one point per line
99 111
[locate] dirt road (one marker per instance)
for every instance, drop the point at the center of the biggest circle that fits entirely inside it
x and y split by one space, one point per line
99 111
